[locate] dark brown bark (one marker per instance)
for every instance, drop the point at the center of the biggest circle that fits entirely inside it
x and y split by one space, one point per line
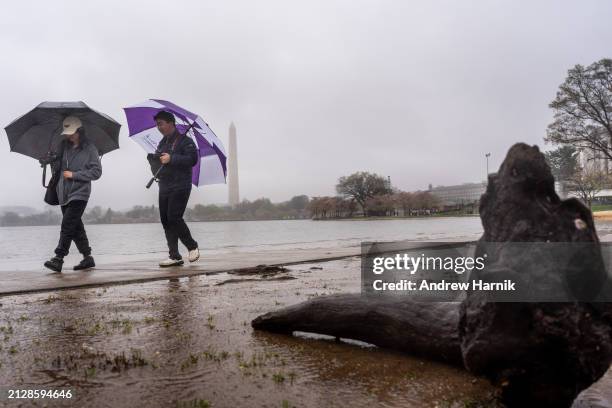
543 353
421 329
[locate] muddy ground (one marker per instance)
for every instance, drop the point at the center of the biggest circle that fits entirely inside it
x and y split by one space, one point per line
189 343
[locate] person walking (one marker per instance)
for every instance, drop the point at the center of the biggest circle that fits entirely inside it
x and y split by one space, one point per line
177 154
78 165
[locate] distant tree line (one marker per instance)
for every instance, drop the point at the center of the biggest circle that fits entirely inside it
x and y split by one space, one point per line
396 204
366 194
12 219
361 194
260 209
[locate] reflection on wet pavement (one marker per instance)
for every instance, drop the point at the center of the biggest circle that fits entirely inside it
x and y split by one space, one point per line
189 342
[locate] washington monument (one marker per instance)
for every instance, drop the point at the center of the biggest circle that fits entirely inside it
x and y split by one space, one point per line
234 195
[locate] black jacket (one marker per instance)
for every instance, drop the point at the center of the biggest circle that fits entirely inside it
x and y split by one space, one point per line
176 175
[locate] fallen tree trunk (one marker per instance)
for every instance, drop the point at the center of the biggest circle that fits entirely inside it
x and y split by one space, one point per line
539 353
421 329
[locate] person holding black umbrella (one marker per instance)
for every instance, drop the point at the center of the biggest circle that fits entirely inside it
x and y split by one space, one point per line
71 136
78 165
178 154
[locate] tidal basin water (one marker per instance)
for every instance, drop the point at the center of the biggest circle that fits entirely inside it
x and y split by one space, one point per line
26 248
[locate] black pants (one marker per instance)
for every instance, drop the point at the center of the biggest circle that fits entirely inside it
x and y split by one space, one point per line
73 229
172 206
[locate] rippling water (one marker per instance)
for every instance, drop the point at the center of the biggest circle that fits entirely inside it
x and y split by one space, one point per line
25 248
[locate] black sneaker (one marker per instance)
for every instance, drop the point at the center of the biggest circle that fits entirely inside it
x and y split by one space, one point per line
55 264
86 263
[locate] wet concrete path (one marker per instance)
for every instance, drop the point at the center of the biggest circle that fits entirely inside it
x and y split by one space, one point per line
188 342
12 283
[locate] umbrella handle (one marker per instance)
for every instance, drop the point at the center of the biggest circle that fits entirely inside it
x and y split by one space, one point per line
44 176
150 183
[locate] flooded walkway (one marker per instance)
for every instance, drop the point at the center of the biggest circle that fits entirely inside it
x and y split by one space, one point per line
20 282
187 342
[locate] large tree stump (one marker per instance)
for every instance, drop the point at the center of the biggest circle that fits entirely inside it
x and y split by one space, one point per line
540 354
537 352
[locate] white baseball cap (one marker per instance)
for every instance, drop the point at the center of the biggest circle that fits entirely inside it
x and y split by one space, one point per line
71 125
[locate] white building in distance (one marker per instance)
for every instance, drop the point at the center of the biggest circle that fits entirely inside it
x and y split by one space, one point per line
461 194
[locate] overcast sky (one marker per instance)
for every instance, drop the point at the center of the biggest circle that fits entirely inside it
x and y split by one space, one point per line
418 91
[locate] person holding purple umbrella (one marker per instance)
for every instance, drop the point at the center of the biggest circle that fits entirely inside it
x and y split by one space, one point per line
178 154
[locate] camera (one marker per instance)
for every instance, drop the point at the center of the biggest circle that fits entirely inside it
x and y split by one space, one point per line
155 155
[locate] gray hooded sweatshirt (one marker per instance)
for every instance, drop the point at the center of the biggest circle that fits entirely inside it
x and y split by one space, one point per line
84 163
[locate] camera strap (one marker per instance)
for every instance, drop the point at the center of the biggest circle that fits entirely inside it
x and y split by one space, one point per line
175 141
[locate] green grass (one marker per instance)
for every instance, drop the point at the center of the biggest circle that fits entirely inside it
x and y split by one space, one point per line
601 207
195 403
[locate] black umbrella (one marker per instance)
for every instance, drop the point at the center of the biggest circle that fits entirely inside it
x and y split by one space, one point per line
38 132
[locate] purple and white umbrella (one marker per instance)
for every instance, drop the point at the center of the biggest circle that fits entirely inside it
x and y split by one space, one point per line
212 166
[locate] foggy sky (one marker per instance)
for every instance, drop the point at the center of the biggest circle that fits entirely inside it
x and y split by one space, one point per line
418 91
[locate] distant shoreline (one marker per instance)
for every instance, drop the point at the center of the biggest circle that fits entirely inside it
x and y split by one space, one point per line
156 222
379 218
597 215
604 215
373 218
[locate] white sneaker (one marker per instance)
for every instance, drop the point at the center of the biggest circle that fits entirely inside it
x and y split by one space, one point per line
194 255
171 262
